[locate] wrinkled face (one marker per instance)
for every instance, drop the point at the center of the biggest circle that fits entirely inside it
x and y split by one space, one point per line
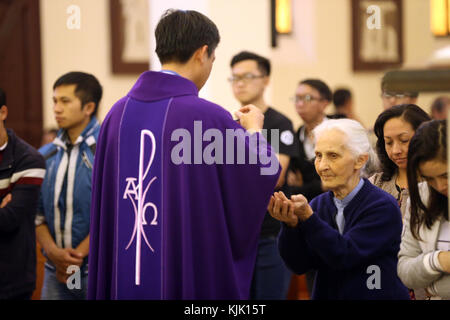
248 82
435 174
309 104
397 135
334 162
67 108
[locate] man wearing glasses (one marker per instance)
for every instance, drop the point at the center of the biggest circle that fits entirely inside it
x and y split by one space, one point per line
392 98
311 99
250 77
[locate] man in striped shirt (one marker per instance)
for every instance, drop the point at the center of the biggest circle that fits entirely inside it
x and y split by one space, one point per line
22 170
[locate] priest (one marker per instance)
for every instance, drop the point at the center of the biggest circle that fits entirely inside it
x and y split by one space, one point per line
180 189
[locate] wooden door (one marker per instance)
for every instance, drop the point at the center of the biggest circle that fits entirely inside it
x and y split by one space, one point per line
20 67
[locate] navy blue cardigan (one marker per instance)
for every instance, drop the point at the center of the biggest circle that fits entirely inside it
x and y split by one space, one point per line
371 237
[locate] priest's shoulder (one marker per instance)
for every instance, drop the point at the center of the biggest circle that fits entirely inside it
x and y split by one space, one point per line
116 109
194 106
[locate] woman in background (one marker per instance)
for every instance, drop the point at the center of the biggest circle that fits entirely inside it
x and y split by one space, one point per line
394 129
424 257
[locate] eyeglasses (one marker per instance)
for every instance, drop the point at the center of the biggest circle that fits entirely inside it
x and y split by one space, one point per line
390 95
246 78
306 98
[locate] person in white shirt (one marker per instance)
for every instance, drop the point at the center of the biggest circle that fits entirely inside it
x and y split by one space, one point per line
424 257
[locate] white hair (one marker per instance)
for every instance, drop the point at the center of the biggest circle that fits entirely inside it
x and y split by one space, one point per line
357 139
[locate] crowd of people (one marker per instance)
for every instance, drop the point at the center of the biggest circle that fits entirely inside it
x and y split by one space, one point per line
363 212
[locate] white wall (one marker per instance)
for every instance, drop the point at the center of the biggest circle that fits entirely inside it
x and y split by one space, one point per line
87 49
321 45
243 25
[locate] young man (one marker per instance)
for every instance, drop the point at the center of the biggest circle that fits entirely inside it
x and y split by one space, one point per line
311 99
440 107
249 79
169 219
22 170
64 210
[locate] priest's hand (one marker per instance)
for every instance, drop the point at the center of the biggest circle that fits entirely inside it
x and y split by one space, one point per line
281 208
251 118
301 207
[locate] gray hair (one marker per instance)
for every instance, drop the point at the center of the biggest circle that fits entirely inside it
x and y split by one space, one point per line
357 140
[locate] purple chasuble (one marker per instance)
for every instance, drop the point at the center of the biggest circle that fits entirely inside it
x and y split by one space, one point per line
166 223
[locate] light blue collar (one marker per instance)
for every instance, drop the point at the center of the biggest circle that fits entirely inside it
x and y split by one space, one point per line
344 202
170 72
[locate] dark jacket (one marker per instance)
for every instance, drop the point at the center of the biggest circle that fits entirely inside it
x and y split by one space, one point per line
22 170
312 186
347 264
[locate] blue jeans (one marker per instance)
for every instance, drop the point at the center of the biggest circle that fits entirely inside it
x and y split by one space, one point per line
271 277
52 289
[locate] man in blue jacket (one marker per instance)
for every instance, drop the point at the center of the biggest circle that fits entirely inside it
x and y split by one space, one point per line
62 223
351 234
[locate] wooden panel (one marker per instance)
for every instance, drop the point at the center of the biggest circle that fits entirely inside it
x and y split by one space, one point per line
372 47
117 43
39 273
417 80
20 77
298 289
20 67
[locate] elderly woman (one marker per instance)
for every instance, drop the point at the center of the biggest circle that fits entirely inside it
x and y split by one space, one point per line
350 234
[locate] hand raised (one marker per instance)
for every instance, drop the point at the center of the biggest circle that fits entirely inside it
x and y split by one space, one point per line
250 117
280 208
301 207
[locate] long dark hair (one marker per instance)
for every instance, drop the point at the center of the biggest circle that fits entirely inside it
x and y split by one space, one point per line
429 143
412 114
